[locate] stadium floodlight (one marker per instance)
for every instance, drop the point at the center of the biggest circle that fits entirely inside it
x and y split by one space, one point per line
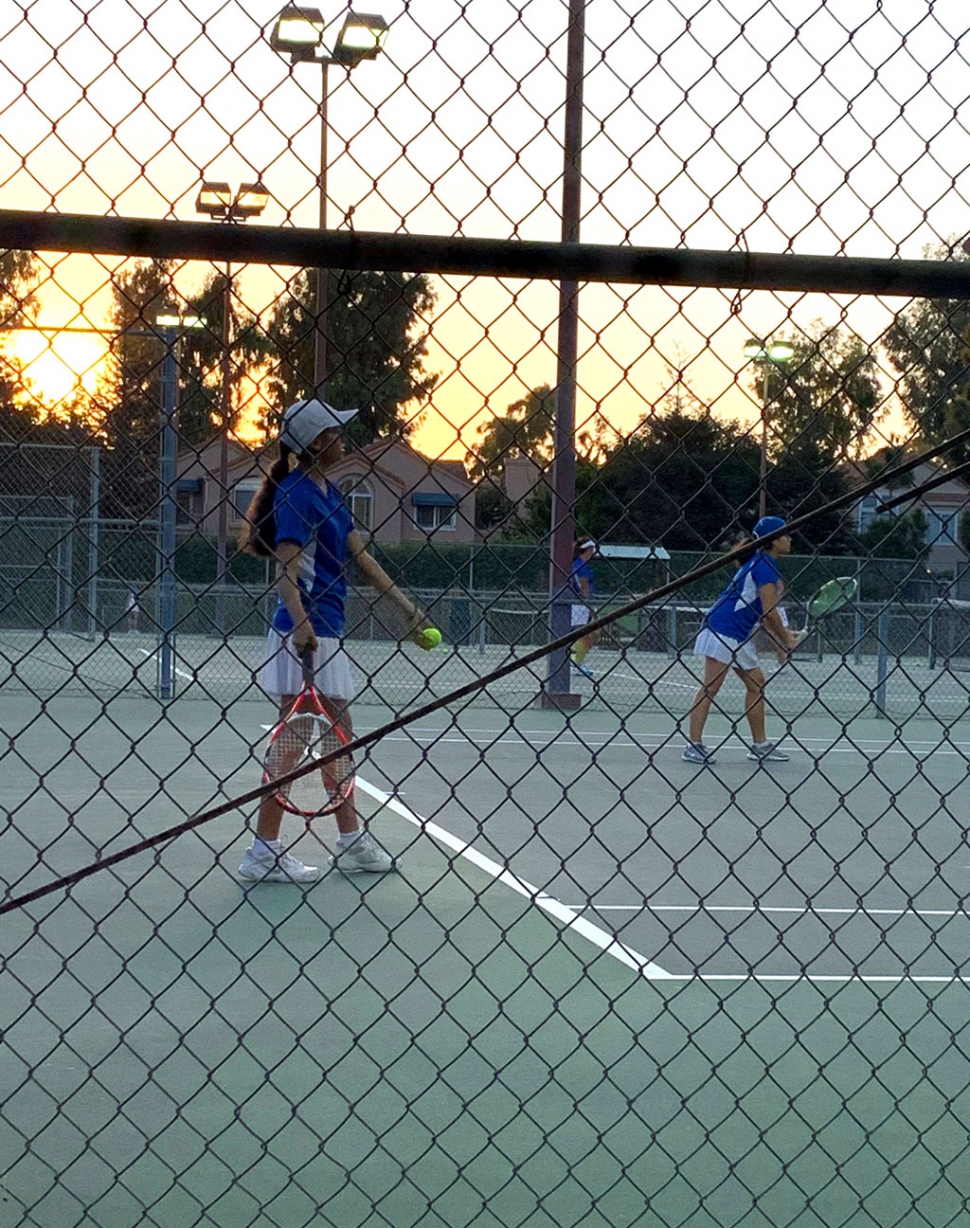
361 38
217 200
298 32
173 321
774 351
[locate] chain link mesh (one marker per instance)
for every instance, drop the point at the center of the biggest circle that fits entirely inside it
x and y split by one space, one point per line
605 986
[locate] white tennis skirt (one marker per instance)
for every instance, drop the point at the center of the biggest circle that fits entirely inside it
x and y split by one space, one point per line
579 615
742 654
282 673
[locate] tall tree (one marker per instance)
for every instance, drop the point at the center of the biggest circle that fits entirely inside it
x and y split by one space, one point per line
525 429
377 343
18 278
926 348
130 390
682 478
827 394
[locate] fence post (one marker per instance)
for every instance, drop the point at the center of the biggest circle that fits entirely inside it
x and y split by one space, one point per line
166 528
94 542
882 660
931 636
672 632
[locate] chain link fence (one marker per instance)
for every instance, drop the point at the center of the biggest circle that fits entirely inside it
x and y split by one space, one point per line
586 271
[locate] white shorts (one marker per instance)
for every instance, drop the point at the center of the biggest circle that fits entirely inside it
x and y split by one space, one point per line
742 654
579 616
282 673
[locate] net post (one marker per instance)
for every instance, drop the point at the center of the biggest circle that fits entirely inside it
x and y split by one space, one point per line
882 660
166 530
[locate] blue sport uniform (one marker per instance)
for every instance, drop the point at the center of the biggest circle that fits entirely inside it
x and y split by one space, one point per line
584 570
318 520
736 613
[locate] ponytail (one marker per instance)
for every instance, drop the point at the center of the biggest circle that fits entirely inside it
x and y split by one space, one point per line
258 533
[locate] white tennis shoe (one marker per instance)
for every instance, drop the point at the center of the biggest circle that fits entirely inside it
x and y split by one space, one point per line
278 867
697 752
767 752
362 856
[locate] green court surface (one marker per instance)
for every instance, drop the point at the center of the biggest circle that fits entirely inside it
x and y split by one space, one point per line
605 987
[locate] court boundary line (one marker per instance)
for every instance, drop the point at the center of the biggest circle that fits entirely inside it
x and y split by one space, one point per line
790 978
777 908
608 943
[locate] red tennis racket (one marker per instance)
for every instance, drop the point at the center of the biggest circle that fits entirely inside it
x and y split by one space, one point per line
310 732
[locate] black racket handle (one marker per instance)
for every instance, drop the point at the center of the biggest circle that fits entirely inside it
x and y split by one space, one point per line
306 656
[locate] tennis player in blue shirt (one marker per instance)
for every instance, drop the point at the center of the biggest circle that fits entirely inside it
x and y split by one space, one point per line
727 640
581 582
299 518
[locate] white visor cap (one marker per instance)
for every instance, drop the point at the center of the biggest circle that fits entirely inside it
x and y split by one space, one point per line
304 420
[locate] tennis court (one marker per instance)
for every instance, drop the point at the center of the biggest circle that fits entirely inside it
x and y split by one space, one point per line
605 984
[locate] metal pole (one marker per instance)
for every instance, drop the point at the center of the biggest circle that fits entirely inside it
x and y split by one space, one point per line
222 556
882 660
166 600
94 542
320 331
557 690
763 470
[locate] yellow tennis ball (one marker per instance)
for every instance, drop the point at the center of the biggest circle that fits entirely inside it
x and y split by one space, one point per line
430 638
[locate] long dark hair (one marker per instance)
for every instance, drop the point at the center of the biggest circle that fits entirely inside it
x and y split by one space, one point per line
258 532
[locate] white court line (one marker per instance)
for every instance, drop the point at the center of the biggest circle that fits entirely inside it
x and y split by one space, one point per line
861 746
607 943
649 682
751 908
181 673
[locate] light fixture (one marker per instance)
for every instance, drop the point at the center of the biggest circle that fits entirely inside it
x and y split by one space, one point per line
361 38
298 31
215 198
776 351
172 321
250 201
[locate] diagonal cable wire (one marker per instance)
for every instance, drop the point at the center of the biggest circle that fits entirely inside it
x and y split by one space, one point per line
564 641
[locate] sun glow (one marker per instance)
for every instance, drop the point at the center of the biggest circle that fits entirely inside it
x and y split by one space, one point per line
51 368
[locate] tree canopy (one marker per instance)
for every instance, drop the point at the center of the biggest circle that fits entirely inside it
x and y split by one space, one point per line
827 394
377 343
927 348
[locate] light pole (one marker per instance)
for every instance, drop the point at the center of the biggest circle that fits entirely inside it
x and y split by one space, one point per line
298 32
218 201
170 329
557 693
766 354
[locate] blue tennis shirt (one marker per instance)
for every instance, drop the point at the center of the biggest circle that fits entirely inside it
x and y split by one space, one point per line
318 520
584 570
738 610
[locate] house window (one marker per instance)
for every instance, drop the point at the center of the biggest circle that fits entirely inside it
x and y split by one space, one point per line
189 501
242 496
869 509
435 513
359 498
942 527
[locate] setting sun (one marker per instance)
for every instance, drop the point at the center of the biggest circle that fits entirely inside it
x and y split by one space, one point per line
51 367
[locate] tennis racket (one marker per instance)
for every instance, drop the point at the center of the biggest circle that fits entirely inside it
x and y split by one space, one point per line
829 598
309 732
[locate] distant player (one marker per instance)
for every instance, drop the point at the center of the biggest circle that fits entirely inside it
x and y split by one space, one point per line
581 583
727 640
131 610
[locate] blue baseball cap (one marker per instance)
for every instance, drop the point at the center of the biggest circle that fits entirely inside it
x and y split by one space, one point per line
768 524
